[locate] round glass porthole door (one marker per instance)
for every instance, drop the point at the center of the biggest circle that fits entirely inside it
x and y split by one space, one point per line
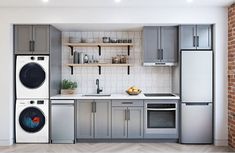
32 75
31 120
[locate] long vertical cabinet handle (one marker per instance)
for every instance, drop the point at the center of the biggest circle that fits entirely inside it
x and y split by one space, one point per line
161 54
194 41
124 132
33 46
94 107
30 45
128 115
92 119
158 54
197 41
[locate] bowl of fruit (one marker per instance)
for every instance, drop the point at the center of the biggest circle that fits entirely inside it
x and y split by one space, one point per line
133 90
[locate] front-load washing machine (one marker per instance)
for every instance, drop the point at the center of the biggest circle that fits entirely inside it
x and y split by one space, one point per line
31 121
32 77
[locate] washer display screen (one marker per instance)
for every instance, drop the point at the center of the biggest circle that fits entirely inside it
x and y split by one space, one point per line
32 75
32 119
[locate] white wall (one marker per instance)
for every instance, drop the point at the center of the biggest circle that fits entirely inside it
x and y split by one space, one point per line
9 16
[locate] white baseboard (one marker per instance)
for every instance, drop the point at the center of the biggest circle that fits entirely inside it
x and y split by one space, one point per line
6 142
221 142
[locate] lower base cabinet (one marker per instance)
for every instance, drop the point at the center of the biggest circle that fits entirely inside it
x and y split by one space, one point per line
62 121
94 119
127 122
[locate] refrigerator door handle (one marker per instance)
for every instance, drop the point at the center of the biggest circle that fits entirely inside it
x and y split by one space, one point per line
196 104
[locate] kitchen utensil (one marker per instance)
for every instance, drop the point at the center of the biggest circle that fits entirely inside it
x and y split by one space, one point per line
86 58
106 39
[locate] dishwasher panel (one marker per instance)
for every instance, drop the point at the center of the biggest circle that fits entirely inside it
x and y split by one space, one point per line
62 121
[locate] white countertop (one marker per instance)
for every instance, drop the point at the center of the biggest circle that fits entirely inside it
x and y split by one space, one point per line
113 96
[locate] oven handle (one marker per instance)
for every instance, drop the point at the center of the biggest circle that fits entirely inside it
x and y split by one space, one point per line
159 109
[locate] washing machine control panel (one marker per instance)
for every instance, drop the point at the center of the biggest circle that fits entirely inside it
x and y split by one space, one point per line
40 102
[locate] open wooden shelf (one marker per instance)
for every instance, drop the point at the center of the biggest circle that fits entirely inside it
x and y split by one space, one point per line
99 65
99 45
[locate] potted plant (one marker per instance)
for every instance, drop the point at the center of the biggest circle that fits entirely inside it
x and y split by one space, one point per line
68 87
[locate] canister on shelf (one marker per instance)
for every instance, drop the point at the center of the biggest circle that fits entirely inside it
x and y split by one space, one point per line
75 57
81 56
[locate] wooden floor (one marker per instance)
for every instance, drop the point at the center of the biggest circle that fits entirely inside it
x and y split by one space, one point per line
111 148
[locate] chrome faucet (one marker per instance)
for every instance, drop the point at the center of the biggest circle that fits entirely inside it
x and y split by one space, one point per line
98 86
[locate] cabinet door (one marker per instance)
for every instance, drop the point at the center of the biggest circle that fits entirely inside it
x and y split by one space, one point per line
61 115
41 37
102 119
169 44
84 119
135 122
151 45
119 122
187 37
204 37
23 36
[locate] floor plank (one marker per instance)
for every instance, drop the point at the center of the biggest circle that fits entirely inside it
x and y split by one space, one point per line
112 148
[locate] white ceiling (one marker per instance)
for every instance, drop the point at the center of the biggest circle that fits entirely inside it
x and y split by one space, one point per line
111 3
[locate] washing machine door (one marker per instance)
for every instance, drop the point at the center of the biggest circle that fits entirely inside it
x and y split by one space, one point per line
32 75
32 119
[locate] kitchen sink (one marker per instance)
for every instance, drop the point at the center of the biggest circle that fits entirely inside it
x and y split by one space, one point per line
98 95
159 95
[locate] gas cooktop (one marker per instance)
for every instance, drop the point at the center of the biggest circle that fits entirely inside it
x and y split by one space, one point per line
159 95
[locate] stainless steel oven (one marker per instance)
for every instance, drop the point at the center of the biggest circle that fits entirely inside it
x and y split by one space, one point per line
161 119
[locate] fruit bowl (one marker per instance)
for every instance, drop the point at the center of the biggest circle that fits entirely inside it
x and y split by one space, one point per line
134 92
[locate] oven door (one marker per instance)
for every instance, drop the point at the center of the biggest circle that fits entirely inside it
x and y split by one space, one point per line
161 118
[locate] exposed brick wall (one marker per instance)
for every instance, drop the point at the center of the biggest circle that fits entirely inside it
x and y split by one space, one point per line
231 75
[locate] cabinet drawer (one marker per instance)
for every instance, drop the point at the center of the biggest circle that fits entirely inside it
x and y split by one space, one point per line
127 103
62 101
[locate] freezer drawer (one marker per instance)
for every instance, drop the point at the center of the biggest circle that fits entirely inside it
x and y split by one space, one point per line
62 121
196 123
196 76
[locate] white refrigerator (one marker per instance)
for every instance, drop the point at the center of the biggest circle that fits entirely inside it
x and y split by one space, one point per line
196 97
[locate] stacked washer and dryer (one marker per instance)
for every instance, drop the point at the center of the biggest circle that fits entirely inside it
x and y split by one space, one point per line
32 99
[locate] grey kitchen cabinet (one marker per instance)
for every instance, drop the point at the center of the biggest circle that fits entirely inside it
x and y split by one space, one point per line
127 119
160 45
119 122
32 39
84 119
135 122
62 121
151 44
94 119
195 37
169 44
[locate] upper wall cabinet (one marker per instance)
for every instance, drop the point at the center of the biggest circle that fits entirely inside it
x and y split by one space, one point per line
196 37
160 45
31 39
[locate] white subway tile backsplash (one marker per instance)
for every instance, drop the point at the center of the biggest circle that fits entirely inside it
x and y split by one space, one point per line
114 79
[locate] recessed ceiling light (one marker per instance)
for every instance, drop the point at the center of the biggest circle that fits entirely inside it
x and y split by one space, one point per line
189 1
117 1
45 1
